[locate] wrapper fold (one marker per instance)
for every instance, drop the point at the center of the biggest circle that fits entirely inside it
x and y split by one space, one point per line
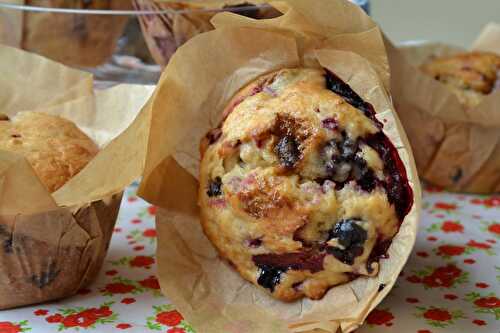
190 97
455 147
53 244
73 39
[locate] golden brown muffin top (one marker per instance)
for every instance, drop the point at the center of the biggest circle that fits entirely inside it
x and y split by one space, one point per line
56 149
299 186
469 75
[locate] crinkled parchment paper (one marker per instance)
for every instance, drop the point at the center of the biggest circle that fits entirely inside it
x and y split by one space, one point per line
184 19
51 245
455 147
195 87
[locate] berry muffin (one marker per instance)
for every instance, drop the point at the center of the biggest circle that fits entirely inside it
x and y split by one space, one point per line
56 149
300 190
470 76
82 40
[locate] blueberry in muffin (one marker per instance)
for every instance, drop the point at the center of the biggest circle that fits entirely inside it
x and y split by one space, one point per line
300 190
470 76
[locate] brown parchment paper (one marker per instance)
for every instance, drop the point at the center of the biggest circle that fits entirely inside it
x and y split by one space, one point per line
193 90
181 20
455 147
85 40
51 245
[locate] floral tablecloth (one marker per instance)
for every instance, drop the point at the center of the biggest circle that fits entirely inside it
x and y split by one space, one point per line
450 284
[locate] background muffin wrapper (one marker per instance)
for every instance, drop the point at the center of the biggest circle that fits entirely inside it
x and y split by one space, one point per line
53 244
455 148
189 101
164 33
72 39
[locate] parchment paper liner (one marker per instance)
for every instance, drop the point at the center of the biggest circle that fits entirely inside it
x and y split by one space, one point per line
456 148
195 86
72 39
164 33
51 245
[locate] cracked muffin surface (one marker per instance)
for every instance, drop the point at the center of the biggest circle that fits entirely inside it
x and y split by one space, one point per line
55 147
470 76
300 190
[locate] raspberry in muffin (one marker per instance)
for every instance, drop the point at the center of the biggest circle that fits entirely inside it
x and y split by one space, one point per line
470 76
300 190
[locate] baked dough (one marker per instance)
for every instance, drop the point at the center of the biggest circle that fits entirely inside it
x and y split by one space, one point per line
300 190
56 149
470 76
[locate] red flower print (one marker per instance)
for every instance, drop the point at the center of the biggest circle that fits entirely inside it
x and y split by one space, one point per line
424 331
451 297
117 230
450 270
152 210
379 317
492 241
422 254
437 314
414 279
450 250
118 288
492 202
8 327
112 272
132 199
149 233
151 283
412 300
79 320
142 261
442 276
482 285
138 248
478 245
450 226
123 326
488 302
445 206
169 318
432 239
40 312
479 322
102 312
128 300
494 228
57 318
136 221
176 330
469 261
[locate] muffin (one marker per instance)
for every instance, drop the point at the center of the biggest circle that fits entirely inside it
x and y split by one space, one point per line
185 19
56 149
300 190
470 75
83 40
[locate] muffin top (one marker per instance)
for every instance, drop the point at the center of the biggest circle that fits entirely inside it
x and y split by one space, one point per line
470 76
56 149
300 190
